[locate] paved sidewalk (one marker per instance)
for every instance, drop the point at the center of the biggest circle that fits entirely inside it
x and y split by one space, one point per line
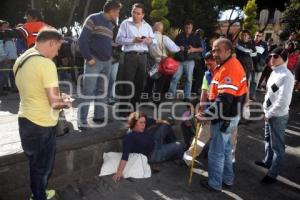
171 182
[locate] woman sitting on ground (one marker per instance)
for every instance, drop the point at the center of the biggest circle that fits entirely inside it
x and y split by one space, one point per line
158 145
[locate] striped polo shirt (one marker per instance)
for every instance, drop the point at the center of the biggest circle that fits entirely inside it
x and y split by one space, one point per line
96 37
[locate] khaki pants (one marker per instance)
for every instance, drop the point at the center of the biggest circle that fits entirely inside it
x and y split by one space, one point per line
203 138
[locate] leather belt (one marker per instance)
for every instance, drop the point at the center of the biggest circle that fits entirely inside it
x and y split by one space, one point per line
136 52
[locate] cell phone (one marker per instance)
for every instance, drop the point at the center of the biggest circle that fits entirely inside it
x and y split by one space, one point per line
143 37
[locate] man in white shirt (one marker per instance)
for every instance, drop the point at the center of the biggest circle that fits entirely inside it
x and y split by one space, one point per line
135 35
276 108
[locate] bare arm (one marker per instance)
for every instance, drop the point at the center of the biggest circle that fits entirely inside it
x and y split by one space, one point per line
203 100
117 177
55 99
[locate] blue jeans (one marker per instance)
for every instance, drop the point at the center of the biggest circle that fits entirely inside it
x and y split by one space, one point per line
93 87
166 147
220 156
186 67
4 74
275 144
38 144
112 79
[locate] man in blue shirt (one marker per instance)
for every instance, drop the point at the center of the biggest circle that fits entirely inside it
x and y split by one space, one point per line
95 43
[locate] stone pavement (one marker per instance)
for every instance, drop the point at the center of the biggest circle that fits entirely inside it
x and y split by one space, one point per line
171 181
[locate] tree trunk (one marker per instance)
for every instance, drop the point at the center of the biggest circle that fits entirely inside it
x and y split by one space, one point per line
86 9
70 19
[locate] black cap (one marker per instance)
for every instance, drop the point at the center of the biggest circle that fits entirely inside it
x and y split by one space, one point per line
208 55
281 52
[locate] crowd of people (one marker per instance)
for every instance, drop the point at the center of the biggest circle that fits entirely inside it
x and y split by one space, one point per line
223 76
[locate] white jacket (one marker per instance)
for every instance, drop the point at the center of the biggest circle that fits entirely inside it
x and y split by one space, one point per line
279 92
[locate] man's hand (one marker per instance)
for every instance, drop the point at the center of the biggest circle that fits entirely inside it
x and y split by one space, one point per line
117 177
138 40
147 40
191 49
92 62
67 99
200 116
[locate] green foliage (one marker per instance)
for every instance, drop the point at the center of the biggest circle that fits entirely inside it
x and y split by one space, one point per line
250 20
159 12
292 16
156 4
56 12
166 22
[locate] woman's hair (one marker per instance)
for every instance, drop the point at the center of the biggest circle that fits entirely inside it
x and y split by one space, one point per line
134 117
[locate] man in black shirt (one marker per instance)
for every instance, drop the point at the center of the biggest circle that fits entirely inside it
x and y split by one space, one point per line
189 45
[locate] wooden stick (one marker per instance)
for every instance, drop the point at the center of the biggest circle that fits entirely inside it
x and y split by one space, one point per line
194 151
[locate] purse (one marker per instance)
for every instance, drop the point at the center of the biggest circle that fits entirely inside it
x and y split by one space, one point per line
167 66
152 68
63 126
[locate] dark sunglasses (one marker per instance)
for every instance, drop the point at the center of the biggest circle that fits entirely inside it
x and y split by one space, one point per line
275 56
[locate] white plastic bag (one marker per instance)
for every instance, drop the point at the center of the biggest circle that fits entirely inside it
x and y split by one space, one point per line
136 167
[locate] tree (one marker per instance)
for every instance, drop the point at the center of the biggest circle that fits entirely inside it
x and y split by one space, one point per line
203 13
250 20
160 10
13 11
291 16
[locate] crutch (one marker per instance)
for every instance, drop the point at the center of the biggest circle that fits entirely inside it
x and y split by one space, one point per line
198 126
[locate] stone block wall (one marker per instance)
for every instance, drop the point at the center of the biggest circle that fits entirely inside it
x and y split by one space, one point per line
78 156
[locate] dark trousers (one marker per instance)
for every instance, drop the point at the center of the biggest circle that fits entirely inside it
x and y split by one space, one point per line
166 147
163 134
198 74
38 144
134 71
188 134
158 86
4 74
265 75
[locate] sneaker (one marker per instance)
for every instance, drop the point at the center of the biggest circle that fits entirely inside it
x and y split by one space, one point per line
49 193
186 100
227 186
262 164
260 89
98 120
83 126
207 186
267 180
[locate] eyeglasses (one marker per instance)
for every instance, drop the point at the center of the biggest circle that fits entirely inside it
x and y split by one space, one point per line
275 56
258 35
